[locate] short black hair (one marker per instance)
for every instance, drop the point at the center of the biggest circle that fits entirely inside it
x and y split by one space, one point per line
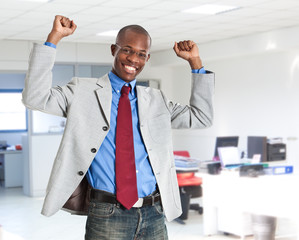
135 28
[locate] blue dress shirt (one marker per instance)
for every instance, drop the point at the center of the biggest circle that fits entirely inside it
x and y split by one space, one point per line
201 70
101 174
50 44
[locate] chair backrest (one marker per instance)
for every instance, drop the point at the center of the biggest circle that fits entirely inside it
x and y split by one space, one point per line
3 145
182 153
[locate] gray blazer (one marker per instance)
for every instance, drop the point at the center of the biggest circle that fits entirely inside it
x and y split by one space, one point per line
86 103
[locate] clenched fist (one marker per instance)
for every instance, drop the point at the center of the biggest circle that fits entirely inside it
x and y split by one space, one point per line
62 27
188 50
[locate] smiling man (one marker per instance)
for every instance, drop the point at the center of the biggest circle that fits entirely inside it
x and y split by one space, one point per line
115 160
128 65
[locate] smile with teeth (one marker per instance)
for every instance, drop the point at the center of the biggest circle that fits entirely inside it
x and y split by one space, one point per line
130 69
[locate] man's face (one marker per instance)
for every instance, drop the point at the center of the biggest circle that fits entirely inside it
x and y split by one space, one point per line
130 52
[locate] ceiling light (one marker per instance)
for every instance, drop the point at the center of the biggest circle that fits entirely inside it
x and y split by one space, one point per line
210 9
111 33
271 46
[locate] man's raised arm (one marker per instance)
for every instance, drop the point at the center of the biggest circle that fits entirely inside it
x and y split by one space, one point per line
199 112
38 93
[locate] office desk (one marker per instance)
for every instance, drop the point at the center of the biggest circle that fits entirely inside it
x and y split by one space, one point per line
275 195
13 168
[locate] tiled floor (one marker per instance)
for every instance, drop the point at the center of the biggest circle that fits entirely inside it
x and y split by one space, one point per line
21 220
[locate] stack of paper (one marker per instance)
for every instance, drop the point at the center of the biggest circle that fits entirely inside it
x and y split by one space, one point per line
186 163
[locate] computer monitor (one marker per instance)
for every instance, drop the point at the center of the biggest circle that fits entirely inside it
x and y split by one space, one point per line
257 145
230 141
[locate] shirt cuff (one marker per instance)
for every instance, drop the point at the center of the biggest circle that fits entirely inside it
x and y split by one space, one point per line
50 44
202 70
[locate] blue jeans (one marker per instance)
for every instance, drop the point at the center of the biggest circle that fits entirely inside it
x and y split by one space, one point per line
108 221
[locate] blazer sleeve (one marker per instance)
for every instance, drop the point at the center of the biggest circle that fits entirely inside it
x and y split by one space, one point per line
199 112
38 93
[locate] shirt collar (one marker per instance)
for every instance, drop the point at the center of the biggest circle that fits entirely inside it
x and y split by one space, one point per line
117 83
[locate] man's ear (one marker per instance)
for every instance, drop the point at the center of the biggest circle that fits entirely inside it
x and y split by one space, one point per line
148 57
113 47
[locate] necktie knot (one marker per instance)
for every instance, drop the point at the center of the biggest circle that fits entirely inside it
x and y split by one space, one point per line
125 90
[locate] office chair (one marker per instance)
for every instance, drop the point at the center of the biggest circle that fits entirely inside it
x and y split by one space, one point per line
190 187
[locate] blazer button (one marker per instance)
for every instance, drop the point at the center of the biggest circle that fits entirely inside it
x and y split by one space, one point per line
93 150
81 173
105 128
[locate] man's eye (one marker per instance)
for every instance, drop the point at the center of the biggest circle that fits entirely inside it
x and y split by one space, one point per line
142 55
126 50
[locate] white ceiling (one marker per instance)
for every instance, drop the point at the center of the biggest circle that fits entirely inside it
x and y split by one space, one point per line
162 18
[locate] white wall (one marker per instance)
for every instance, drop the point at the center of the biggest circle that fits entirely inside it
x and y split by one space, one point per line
14 55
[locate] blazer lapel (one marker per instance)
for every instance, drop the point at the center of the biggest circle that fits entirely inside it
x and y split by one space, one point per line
144 99
104 95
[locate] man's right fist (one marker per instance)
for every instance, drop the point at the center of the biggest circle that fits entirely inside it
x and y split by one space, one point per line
62 27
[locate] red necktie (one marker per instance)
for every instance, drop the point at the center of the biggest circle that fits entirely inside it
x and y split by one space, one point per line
125 170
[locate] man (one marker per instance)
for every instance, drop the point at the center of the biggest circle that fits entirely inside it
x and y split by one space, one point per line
90 148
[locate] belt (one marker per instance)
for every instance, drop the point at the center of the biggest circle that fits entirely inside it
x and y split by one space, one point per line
107 197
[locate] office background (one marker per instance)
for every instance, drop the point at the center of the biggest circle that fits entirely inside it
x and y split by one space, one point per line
256 84
254 52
